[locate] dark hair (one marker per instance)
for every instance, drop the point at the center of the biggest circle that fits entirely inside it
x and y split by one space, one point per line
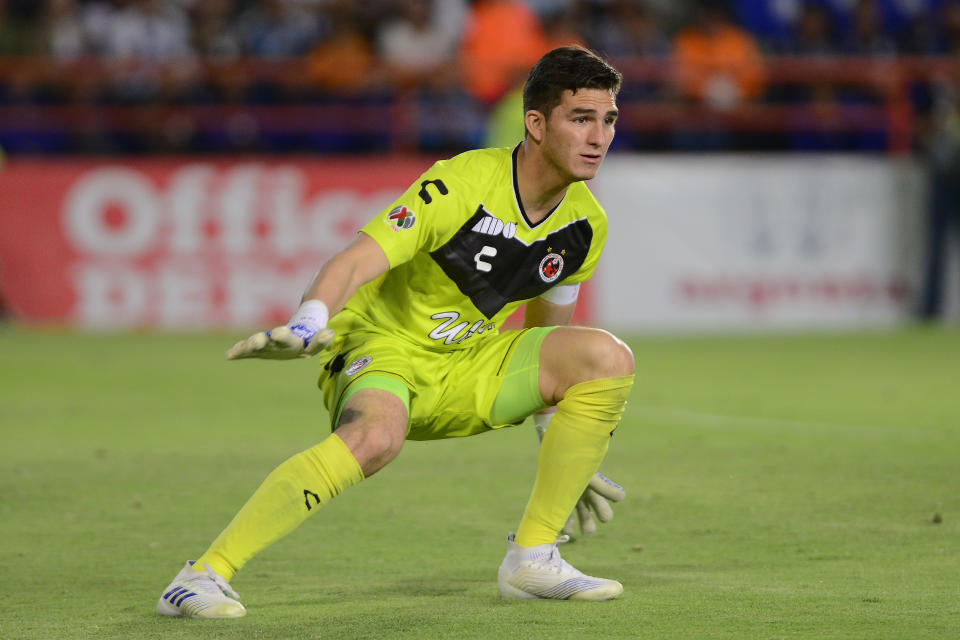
564 68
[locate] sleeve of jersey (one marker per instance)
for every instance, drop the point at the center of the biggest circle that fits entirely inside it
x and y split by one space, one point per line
585 272
414 221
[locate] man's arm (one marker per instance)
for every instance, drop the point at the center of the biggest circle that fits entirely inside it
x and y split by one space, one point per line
540 313
360 262
336 282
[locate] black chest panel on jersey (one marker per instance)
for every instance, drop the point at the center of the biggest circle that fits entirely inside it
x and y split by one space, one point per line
492 269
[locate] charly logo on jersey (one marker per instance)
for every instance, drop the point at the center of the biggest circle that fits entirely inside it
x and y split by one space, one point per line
401 218
552 265
358 364
493 226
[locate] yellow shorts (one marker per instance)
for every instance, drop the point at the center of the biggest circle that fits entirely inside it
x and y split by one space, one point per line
452 393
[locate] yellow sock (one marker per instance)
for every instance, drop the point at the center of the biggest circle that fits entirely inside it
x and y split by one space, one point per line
570 454
292 491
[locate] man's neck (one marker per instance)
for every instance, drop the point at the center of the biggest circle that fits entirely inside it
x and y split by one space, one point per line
540 187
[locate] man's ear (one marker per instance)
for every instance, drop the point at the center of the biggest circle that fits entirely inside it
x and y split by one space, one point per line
536 125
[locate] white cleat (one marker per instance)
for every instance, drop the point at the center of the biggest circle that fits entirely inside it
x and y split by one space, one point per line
540 572
200 594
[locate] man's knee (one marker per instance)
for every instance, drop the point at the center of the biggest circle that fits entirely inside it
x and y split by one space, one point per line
578 355
384 442
374 428
372 444
612 356
603 355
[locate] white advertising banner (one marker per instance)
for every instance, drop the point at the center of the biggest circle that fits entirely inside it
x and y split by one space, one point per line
695 242
701 243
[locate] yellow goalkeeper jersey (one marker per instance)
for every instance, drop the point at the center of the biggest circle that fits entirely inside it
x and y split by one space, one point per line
463 255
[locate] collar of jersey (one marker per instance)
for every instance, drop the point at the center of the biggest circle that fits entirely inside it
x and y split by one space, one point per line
516 193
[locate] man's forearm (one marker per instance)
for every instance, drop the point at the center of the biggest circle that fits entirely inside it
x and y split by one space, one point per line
334 284
344 273
540 313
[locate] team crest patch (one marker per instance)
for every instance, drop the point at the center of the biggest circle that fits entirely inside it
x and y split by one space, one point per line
550 267
357 365
401 218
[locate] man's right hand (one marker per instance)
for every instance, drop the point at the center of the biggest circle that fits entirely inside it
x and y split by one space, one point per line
305 335
280 343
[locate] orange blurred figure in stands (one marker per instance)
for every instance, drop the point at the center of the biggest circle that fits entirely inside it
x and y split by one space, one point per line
343 62
503 39
716 62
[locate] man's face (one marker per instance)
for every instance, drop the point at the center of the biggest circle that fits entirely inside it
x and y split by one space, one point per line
579 132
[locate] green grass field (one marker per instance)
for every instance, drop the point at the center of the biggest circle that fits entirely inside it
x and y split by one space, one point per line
778 487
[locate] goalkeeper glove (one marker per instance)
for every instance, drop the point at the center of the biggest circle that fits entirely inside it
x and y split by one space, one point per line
595 497
303 336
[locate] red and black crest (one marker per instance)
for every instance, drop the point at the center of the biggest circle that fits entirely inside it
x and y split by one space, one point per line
550 267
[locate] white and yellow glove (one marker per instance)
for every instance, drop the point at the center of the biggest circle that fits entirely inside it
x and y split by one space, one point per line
595 499
306 334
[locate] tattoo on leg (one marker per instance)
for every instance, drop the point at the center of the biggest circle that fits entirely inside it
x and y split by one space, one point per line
347 416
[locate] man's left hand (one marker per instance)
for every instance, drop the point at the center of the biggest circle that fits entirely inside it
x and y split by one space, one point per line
594 504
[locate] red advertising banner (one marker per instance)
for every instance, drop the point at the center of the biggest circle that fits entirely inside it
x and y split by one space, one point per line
180 243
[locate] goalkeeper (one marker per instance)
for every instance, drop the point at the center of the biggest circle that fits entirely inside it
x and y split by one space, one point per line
405 320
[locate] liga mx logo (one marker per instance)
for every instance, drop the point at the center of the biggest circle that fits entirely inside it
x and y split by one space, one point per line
551 266
401 218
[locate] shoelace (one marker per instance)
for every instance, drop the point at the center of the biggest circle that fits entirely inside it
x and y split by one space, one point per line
554 562
219 584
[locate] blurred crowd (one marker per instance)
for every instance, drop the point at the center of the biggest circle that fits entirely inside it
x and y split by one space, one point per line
420 33
462 55
132 76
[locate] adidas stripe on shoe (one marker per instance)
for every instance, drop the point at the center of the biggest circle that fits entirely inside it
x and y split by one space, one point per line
200 594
